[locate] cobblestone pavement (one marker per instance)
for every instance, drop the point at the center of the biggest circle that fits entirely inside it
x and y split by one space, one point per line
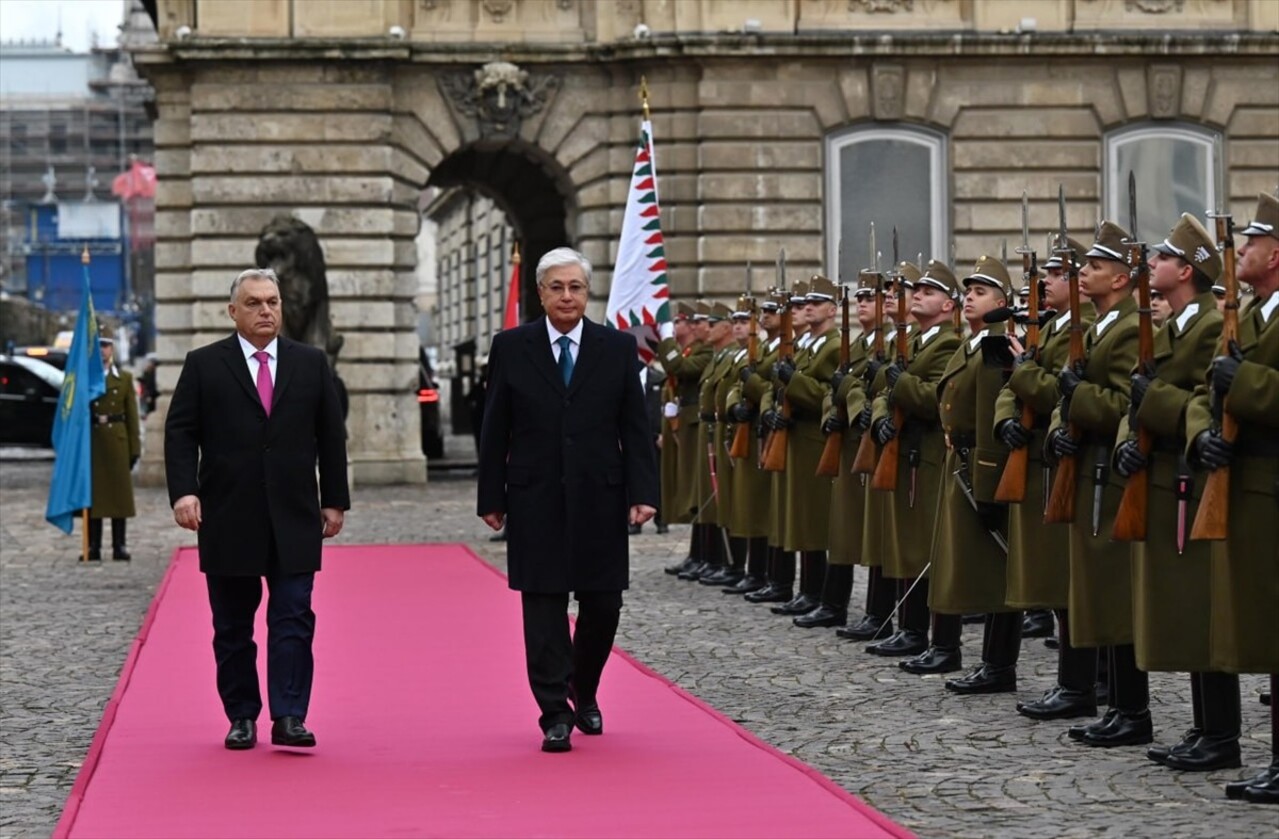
941 765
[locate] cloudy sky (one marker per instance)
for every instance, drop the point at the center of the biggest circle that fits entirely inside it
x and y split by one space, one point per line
27 19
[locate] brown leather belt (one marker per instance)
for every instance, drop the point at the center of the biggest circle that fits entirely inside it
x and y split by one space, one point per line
107 419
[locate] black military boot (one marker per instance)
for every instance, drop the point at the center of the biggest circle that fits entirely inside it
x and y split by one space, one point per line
833 610
694 552
1075 693
1108 719
712 551
807 599
1038 623
1130 694
912 637
119 547
1001 644
1159 752
1263 788
781 578
880 599
1218 746
944 655
731 573
756 574
95 540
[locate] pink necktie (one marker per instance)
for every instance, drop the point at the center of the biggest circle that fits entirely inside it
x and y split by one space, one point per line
265 387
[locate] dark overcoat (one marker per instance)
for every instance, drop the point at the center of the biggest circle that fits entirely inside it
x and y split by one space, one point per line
255 475
565 464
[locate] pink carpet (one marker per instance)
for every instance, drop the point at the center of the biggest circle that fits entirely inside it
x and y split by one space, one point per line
426 728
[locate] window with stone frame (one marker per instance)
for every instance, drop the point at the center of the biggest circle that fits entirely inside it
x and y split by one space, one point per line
893 175
1175 168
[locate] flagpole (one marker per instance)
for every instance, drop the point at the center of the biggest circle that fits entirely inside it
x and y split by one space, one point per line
84 517
643 92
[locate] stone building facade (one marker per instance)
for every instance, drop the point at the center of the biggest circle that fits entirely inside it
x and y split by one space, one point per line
778 123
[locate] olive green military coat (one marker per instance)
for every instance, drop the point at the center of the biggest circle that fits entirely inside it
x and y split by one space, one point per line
969 572
848 491
756 515
679 440
807 523
1171 602
1100 600
1244 578
710 492
875 521
1038 553
912 515
114 446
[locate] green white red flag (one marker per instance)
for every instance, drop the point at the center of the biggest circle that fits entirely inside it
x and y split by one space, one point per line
639 299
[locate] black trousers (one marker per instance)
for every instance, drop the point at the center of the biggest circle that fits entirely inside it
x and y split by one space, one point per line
290 629
563 668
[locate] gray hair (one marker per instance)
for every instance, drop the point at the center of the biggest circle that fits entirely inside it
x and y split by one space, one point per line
562 256
253 274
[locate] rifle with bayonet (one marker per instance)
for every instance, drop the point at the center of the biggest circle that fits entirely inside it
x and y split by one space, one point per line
1211 519
864 460
828 463
742 434
885 476
1060 507
774 457
1012 483
1130 520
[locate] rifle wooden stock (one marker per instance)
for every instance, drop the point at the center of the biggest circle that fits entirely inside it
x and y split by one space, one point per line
828 465
742 433
1060 508
1130 519
885 477
741 441
775 457
864 461
1214 506
1012 483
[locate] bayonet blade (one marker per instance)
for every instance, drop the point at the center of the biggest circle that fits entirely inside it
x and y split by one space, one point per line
1132 206
896 257
1003 250
781 269
1063 242
748 278
1025 222
874 254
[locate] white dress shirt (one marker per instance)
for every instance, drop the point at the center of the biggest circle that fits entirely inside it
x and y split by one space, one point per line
271 349
574 334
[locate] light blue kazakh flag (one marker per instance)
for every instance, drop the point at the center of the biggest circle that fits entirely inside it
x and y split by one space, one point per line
72 487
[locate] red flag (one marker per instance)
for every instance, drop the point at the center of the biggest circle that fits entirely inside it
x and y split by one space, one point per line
511 318
137 182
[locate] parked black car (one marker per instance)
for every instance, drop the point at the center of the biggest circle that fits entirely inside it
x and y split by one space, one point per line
29 391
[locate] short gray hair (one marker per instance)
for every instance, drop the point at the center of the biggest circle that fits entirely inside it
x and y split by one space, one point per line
562 256
253 274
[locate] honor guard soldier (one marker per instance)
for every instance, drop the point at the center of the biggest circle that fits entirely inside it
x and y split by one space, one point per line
1093 401
1244 585
881 592
683 356
970 549
116 445
708 491
1038 553
908 412
1171 574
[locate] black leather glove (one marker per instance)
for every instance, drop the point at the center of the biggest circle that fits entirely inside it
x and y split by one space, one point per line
873 368
1022 358
785 369
863 418
1014 434
1212 450
707 416
1140 384
894 372
1062 444
1223 370
745 373
832 424
1128 459
837 379
884 430
1067 381
742 412
766 419
780 422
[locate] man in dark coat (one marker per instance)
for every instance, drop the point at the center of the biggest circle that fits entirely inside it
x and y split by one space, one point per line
252 415
567 454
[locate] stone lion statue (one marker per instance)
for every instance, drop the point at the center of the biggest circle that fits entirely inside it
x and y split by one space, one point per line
290 248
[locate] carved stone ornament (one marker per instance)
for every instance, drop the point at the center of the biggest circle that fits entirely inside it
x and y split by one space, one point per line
888 86
498 9
1164 91
872 7
1155 7
499 95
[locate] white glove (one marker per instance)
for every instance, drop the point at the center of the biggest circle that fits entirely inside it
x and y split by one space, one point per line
670 410
666 330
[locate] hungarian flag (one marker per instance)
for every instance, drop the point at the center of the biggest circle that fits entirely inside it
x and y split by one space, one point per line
639 298
511 317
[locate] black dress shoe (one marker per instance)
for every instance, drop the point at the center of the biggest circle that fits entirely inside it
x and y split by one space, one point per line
745 585
934 660
867 628
687 563
1131 728
1037 623
770 593
1060 703
1265 792
94 555
499 536
243 735
1209 753
558 738
663 528
726 576
588 719
634 529
801 604
121 553
903 642
1235 789
289 731
1052 643
1265 698
823 615
1159 752
697 571
988 678
1078 732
